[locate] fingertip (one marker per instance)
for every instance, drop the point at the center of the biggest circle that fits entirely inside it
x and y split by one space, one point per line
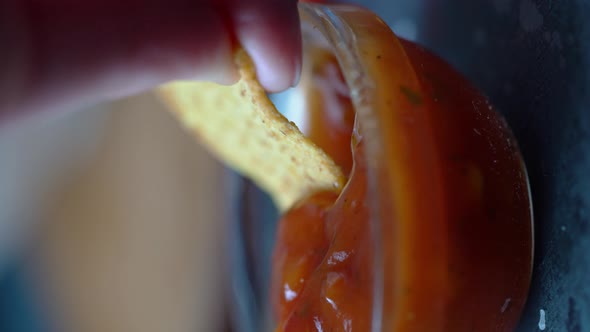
271 34
275 73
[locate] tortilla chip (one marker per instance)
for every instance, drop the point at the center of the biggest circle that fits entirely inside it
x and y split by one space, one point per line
240 125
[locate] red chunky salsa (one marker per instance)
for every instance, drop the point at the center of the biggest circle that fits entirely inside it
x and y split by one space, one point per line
467 269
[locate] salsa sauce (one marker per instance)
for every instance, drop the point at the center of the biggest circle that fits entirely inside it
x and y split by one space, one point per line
322 278
323 266
323 270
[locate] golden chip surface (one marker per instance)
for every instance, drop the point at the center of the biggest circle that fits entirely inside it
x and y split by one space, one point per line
241 126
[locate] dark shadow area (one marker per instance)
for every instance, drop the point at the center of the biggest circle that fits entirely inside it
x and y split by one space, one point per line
19 311
532 58
252 226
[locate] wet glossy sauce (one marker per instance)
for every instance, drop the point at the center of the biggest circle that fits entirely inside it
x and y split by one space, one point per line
323 260
323 273
325 281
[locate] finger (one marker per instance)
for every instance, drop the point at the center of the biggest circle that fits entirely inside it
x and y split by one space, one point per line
66 53
269 30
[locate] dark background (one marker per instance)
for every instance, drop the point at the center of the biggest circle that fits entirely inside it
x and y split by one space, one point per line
532 59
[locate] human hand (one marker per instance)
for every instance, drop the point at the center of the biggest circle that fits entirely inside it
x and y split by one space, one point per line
62 54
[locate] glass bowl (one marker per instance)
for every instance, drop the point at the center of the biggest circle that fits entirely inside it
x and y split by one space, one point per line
448 200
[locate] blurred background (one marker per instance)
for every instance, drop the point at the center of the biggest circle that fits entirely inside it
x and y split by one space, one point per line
107 225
